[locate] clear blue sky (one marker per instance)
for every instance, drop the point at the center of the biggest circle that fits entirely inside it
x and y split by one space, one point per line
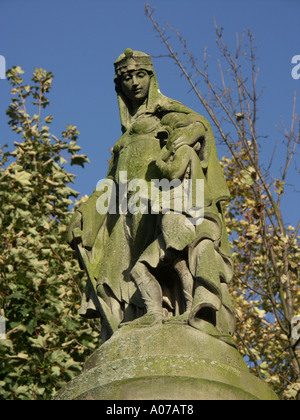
78 40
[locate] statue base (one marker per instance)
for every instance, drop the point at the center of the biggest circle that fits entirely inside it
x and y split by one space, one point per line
165 362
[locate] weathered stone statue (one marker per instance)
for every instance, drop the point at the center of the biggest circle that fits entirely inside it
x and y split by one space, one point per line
158 272
152 268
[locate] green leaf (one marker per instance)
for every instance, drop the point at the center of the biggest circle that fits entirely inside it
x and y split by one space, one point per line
279 186
23 178
49 119
79 160
62 160
248 176
19 70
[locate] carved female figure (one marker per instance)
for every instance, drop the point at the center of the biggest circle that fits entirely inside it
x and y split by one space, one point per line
147 268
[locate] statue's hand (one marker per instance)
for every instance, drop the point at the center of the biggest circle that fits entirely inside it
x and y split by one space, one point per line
189 136
186 141
183 141
165 153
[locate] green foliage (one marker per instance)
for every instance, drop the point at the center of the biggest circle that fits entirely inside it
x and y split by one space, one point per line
40 280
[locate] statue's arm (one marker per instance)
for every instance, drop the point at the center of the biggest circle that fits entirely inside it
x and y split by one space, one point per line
173 166
189 135
179 151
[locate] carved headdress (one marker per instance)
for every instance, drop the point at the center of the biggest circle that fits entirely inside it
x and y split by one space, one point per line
132 60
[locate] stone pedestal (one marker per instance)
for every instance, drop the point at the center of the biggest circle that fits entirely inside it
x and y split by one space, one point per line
166 362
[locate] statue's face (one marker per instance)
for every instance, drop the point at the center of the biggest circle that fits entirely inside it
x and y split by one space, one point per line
135 85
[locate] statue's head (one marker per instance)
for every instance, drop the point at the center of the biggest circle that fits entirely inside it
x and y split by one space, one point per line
133 72
135 81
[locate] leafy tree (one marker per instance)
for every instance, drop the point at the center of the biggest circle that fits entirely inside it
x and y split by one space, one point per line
266 249
40 279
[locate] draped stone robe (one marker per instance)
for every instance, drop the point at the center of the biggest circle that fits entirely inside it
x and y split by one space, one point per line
113 243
